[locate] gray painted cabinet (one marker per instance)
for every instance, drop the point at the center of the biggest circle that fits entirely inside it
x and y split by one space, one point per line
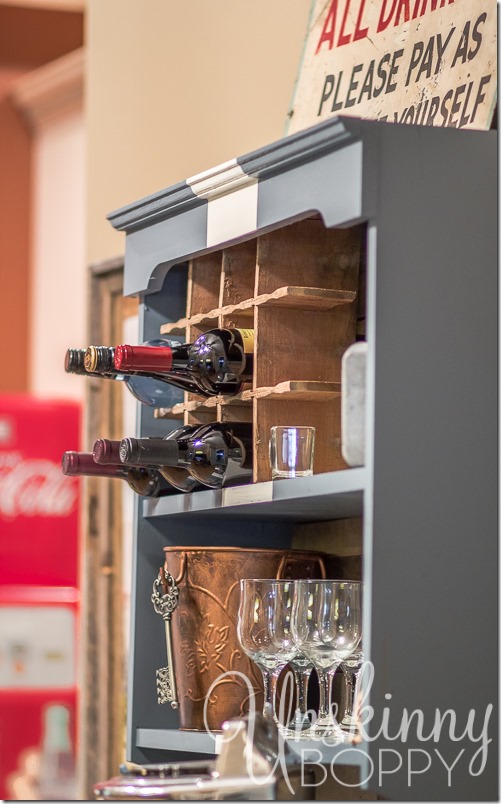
428 493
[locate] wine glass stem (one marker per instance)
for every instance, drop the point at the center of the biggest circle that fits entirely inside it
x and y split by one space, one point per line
355 683
325 678
274 674
270 678
266 687
349 691
323 690
302 677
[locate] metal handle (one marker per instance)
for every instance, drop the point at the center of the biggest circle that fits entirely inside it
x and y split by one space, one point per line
289 556
164 604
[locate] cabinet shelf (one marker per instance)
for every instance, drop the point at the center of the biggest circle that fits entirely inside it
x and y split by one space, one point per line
295 297
174 739
323 497
293 390
204 743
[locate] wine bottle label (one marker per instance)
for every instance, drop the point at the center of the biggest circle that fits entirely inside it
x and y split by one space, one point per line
247 340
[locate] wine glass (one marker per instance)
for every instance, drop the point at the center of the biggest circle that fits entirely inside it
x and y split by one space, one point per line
351 667
256 611
327 628
285 646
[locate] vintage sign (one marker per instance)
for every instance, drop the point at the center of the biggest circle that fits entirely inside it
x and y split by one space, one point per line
427 62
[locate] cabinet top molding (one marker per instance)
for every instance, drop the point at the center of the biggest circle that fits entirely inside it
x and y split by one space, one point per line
334 169
276 157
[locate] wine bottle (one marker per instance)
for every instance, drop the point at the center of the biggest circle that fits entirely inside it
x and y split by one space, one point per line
151 391
106 451
144 481
102 359
217 454
219 361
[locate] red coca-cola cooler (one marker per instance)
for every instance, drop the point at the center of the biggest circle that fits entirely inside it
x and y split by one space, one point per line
39 598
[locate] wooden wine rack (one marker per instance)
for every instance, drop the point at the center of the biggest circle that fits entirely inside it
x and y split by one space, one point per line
299 288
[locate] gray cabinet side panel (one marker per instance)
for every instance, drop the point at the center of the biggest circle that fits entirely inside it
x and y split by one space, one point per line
435 571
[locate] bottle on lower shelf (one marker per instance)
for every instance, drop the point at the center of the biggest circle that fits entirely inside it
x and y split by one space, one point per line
106 451
216 455
146 482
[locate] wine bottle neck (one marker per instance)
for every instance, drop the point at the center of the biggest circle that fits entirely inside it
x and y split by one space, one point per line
151 452
143 358
144 481
82 463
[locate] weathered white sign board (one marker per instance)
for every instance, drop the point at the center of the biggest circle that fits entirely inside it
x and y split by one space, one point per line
428 62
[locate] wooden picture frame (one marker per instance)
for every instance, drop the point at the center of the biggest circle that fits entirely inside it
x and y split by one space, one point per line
102 710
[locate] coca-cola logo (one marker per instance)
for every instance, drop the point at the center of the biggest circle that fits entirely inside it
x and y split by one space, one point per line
35 487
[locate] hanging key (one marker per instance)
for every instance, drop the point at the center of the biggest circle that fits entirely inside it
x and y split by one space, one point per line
164 604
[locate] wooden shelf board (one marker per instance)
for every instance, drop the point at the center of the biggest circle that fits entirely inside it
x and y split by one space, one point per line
296 297
303 390
295 390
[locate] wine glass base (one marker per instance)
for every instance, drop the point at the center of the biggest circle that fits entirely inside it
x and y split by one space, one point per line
349 723
329 733
299 722
296 729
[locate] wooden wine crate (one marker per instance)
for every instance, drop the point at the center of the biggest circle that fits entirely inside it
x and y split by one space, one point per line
299 288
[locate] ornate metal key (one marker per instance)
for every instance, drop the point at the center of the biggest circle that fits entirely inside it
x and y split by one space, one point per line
164 604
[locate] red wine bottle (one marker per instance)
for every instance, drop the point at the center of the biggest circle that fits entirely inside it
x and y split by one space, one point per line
217 454
145 386
107 451
144 481
219 362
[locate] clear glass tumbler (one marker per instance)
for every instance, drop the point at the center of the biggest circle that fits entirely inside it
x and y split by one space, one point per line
292 451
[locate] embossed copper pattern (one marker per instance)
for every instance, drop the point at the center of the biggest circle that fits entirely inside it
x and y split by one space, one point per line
207 654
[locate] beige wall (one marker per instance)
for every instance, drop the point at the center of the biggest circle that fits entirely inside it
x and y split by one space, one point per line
51 100
174 88
59 289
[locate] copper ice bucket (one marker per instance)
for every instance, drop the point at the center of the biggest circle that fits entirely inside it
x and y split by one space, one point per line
210 667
